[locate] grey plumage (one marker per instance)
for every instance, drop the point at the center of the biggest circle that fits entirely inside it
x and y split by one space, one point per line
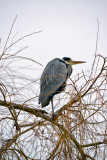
53 79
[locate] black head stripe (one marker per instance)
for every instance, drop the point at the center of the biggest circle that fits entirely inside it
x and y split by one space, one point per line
66 58
61 60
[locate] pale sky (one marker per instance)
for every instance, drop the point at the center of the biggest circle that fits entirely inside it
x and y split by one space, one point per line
69 28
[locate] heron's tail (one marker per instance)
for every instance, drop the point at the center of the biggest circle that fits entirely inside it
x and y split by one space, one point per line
44 99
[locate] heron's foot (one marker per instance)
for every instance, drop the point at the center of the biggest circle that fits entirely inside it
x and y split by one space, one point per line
53 116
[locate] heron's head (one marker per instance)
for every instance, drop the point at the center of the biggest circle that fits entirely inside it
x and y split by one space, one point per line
71 62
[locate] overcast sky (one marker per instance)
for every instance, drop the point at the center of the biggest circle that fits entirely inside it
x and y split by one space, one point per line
69 28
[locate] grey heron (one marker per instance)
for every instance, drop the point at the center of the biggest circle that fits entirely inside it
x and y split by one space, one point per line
53 79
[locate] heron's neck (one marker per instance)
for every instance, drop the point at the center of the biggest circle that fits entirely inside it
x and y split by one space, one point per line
69 69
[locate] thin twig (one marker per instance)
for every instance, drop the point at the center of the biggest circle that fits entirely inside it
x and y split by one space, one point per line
8 37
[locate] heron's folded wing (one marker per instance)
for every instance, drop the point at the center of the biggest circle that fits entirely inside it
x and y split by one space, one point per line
54 75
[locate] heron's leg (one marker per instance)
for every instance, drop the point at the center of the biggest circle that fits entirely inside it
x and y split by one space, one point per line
52 108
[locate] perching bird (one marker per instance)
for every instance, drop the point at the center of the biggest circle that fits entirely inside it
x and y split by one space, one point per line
53 79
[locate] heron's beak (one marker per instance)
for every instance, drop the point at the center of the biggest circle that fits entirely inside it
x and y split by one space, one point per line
76 62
